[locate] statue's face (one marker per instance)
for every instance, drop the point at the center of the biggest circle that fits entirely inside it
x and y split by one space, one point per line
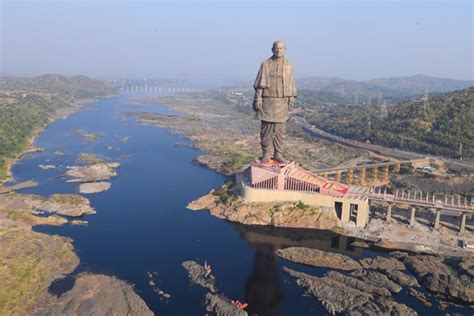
279 50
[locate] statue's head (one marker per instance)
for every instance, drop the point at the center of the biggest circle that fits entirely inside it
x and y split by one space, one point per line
278 49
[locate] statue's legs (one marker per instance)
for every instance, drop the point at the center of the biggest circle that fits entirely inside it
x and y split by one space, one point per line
272 135
279 140
266 139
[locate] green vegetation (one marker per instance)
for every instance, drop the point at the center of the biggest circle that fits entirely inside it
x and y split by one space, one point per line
224 193
305 209
69 199
439 126
27 105
302 206
236 161
278 207
28 263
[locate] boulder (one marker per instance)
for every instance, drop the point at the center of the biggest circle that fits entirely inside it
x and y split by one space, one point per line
318 258
196 273
96 295
220 305
382 263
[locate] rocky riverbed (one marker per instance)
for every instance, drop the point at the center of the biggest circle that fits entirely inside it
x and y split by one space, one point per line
367 286
214 302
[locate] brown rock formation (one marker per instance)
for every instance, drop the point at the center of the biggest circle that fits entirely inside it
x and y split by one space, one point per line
318 258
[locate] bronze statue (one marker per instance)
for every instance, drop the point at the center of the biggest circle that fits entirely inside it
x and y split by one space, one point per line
275 94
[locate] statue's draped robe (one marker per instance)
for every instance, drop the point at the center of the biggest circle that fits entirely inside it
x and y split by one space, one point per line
275 79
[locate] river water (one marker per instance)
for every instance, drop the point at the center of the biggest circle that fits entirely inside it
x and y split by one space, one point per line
142 225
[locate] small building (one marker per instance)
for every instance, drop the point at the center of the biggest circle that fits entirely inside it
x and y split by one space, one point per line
290 183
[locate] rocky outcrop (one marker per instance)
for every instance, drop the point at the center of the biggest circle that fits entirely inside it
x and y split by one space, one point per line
378 280
220 305
94 187
64 204
95 295
46 167
338 296
61 204
95 172
285 214
318 258
467 265
358 284
440 279
402 278
419 296
382 263
197 274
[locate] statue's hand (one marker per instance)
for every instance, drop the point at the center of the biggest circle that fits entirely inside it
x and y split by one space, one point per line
291 103
257 105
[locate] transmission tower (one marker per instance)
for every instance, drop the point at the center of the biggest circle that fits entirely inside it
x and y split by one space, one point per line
379 102
425 101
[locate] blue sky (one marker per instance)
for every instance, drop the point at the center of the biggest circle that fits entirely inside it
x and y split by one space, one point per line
228 39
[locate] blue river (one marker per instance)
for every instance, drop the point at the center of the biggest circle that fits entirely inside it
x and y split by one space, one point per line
142 225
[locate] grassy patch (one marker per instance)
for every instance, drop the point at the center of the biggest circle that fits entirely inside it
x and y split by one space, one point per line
29 262
224 194
69 199
278 207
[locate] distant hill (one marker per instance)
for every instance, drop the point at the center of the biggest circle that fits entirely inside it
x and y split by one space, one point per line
317 83
76 86
439 126
417 84
391 88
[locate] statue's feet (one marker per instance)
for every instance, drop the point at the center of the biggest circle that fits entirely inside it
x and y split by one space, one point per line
278 157
266 158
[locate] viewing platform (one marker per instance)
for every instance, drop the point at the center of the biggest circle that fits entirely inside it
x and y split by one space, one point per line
276 182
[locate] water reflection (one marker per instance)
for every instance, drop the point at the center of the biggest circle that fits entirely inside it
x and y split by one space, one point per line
264 291
278 237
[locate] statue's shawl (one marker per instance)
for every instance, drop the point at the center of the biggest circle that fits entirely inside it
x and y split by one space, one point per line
263 79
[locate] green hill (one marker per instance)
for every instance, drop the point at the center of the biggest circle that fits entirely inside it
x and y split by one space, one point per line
76 86
419 83
439 126
27 105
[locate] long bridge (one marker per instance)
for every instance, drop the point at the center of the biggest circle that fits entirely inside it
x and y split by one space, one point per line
387 167
156 89
418 200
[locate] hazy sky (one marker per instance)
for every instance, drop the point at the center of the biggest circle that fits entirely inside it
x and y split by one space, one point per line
228 39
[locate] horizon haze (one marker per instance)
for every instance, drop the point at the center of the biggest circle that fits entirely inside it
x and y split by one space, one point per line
228 40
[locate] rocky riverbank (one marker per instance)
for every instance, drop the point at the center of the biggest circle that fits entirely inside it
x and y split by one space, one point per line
31 261
225 203
367 285
95 294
